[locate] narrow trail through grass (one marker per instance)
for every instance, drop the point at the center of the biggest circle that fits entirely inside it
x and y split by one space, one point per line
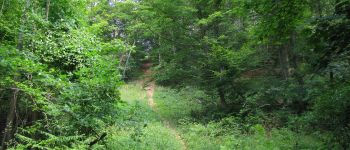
161 118
142 126
150 85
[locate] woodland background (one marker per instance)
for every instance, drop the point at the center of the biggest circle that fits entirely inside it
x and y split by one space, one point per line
232 74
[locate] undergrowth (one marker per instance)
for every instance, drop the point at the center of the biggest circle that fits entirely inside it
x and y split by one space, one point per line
140 127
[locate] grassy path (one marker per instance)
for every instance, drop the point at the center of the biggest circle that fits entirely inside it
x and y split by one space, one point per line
142 126
159 118
150 89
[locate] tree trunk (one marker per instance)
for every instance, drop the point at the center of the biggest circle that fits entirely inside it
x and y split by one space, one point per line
47 9
24 17
2 7
331 76
284 61
126 64
222 97
8 132
173 44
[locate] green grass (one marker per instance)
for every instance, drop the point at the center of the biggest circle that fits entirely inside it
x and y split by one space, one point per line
154 136
132 93
180 106
177 105
140 127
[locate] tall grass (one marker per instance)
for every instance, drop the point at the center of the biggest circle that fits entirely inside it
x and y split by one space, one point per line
182 107
140 128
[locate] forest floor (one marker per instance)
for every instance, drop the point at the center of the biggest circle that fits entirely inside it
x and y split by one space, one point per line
153 117
149 85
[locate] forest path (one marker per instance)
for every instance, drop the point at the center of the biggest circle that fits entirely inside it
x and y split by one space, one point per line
149 85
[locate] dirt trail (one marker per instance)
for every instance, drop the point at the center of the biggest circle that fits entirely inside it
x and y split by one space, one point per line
149 86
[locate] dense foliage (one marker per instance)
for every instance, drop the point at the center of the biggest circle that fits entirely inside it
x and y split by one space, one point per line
281 64
59 81
257 74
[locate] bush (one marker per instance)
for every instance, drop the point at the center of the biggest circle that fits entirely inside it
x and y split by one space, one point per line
331 113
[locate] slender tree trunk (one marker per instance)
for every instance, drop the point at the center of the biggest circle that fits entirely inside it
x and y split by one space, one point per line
8 132
293 59
2 119
2 7
222 96
173 45
47 9
284 61
24 17
126 63
221 91
331 76
217 34
159 58
159 52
